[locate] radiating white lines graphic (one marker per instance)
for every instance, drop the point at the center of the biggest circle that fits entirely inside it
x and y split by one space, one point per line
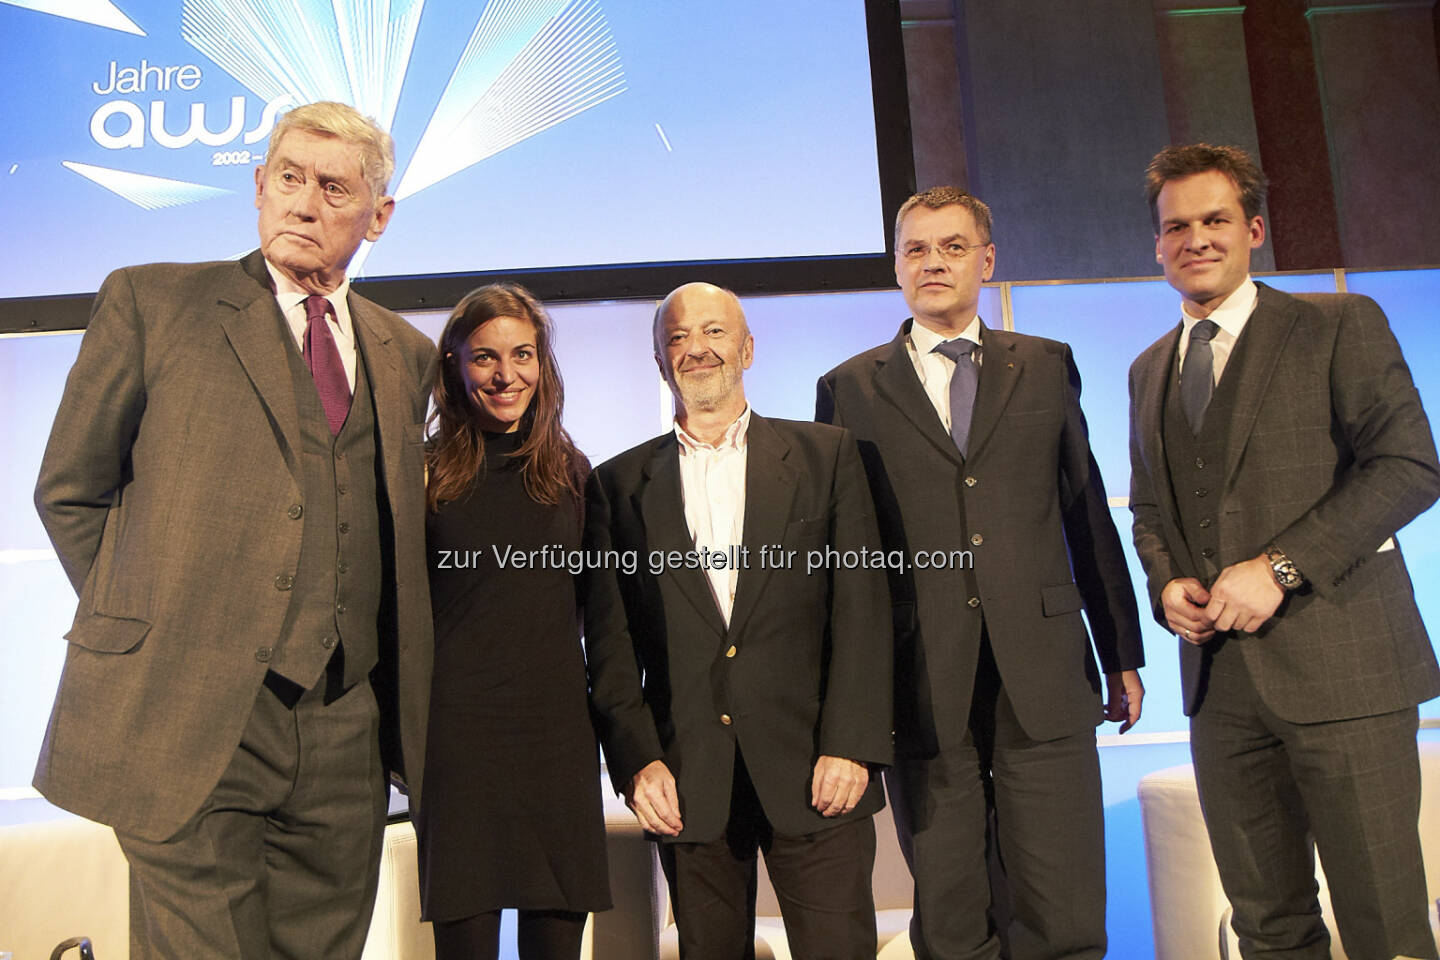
353 51
664 139
143 190
102 13
357 262
529 65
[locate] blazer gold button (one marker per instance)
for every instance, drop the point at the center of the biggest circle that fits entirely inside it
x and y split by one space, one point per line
295 511
725 719
971 481
976 539
284 582
974 601
731 652
263 654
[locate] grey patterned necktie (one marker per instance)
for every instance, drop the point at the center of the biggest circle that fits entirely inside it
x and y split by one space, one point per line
1197 374
962 387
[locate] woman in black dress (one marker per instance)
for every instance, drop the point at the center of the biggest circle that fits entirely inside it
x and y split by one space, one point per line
511 815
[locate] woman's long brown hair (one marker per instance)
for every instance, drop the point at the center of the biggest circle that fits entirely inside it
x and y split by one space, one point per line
550 463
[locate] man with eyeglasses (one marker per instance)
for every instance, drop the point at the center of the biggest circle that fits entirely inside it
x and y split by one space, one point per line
973 437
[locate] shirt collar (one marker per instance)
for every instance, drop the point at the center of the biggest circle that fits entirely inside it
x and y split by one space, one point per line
289 293
925 340
735 437
1232 314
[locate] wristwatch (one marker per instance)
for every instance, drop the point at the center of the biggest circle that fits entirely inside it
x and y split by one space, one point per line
1286 573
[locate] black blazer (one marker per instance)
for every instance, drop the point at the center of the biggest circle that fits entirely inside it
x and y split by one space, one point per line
810 674
1329 454
1028 503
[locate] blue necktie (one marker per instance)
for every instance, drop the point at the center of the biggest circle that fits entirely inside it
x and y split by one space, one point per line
1197 374
962 387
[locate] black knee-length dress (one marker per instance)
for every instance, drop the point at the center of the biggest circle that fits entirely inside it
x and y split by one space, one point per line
511 814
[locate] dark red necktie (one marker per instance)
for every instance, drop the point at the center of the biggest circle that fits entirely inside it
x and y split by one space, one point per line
322 356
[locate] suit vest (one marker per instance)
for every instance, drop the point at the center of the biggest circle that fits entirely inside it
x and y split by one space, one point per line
1197 462
337 586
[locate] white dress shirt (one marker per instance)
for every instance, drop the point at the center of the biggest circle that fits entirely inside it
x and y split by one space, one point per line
1231 317
935 369
712 479
291 298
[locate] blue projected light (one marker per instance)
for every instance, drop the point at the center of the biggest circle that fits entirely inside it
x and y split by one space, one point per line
530 134
1106 325
1409 298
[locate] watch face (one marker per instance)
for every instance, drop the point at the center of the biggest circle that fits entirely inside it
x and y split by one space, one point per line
1286 573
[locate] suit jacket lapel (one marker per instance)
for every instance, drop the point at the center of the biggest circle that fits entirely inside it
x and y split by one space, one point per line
1264 335
897 382
999 371
770 484
388 384
255 329
662 505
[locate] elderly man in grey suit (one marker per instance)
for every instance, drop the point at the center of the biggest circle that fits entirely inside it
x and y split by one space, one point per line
1277 444
973 438
234 485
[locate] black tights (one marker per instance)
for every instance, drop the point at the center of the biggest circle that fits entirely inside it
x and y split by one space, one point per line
542 935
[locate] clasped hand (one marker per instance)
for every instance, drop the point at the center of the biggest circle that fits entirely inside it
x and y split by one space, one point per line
1243 597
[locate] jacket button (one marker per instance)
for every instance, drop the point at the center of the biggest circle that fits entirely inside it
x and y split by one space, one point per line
263 654
339 608
343 567
1208 552
976 539
294 512
344 527
732 651
971 481
1205 523
973 601
725 719
328 642
1201 491
1200 463
342 489
284 582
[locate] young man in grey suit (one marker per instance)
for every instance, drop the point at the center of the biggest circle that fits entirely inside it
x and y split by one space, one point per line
973 438
1277 444
743 700
234 485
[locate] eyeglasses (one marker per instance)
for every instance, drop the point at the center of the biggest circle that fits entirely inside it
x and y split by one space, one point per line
953 251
